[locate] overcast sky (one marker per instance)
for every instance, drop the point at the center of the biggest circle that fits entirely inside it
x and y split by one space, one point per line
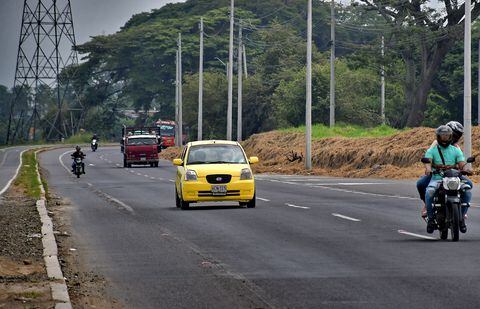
91 17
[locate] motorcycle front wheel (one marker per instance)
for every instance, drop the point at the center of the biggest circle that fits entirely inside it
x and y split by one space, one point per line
455 222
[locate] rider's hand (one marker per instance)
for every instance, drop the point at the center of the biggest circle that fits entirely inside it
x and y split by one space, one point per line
428 171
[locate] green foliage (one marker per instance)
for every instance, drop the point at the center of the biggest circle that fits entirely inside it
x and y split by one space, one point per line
79 138
321 131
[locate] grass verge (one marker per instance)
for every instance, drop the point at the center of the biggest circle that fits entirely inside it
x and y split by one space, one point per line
321 131
27 178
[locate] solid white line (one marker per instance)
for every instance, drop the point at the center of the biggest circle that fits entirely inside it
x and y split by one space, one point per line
14 176
346 218
263 199
296 206
416 235
60 158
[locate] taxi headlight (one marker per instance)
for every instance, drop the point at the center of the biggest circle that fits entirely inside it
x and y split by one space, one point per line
246 174
451 183
191 175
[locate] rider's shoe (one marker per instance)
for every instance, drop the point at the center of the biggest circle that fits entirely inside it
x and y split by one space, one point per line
431 226
463 226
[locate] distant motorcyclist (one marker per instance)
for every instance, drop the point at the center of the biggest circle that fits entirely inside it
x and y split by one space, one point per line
94 142
422 183
94 137
443 156
78 154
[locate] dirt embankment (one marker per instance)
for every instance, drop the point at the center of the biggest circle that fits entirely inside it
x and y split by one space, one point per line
396 156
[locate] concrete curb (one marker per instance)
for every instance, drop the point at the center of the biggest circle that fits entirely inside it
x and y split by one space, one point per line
50 252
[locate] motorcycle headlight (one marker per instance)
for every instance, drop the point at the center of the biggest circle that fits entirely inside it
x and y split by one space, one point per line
246 174
191 175
451 183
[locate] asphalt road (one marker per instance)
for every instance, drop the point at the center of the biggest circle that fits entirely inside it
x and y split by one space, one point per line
312 242
9 163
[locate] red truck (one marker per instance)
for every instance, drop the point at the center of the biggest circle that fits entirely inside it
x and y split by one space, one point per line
140 146
167 130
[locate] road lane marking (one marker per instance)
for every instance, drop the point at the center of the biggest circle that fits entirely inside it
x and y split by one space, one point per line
15 175
366 193
138 174
4 158
171 180
60 158
152 178
111 199
91 164
416 235
263 199
296 206
346 218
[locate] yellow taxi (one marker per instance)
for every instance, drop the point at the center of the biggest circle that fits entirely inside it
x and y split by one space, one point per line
214 171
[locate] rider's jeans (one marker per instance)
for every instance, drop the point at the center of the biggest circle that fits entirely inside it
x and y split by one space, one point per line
430 193
422 185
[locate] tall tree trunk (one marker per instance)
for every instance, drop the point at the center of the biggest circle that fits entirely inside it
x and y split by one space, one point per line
416 93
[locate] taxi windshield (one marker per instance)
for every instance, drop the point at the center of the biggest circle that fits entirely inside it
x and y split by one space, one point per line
216 154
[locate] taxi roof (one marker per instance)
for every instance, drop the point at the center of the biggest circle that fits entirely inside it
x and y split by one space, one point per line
213 142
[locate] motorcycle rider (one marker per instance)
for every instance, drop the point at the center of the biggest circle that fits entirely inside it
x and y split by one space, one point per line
452 157
78 154
422 183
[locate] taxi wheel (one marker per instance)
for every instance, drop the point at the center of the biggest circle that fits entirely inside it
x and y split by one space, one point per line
184 205
177 199
252 202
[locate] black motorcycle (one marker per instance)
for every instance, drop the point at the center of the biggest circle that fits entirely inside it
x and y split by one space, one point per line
94 145
447 205
78 168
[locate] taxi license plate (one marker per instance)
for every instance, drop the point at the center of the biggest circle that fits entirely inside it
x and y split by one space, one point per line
143 159
219 190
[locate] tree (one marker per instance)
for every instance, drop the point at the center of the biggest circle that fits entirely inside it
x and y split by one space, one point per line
423 35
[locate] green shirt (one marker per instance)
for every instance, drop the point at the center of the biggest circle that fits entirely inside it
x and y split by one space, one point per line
451 154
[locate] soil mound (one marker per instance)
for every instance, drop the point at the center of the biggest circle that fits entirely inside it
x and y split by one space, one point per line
397 156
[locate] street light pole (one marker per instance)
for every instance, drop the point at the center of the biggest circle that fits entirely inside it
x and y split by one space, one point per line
332 66
230 74
308 114
240 86
180 92
467 96
200 86
383 82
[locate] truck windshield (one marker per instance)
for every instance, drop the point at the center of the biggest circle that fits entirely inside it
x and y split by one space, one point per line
142 141
167 130
216 154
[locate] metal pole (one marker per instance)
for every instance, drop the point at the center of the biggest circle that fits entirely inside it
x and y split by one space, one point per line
230 74
383 82
176 100
332 66
308 114
245 60
467 99
180 91
200 86
240 85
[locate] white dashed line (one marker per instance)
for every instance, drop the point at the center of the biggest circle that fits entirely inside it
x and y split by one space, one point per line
346 218
296 206
152 178
138 174
112 199
171 180
263 199
416 235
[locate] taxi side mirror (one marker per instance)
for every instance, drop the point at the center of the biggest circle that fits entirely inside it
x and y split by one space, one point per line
178 162
253 160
